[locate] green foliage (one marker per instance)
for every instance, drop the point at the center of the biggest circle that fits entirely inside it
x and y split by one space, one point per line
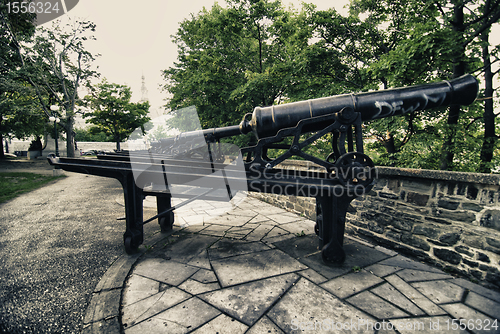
113 114
234 59
257 53
19 115
91 134
57 64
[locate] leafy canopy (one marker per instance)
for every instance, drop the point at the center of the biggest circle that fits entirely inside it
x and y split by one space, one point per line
112 112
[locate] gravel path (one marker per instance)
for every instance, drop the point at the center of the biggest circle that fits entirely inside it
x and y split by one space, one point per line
55 244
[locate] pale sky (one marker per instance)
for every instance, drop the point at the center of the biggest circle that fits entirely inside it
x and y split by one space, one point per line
134 39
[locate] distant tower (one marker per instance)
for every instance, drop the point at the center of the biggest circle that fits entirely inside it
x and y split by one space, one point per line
144 90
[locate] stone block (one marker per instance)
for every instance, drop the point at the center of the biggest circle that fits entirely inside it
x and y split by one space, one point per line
414 295
464 250
409 216
408 208
448 204
438 220
305 299
449 239
437 243
470 263
379 183
454 270
264 325
460 189
392 295
471 206
440 291
484 267
351 284
492 249
405 224
249 301
417 198
387 206
388 195
451 188
456 215
472 192
472 240
222 324
372 226
493 276
491 219
483 257
393 184
447 255
485 305
441 187
103 305
248 267
376 306
57 172
428 230
394 235
476 274
420 186
105 326
415 241
493 242
380 218
489 198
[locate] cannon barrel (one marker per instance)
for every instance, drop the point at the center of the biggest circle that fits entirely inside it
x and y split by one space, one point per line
210 135
267 121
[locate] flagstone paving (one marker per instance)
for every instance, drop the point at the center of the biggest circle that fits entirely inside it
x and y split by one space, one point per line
257 269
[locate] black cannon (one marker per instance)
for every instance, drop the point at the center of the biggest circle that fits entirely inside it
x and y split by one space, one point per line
286 130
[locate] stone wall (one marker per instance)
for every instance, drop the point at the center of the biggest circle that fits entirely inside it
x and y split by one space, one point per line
449 219
23 145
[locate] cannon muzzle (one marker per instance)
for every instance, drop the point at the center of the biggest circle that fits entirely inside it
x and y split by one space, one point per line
267 121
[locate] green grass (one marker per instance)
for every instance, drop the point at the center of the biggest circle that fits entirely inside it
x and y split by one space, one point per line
14 184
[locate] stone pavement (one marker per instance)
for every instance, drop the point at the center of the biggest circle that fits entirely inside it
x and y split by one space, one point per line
257 269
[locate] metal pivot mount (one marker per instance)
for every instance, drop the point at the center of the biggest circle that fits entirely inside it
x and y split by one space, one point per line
348 168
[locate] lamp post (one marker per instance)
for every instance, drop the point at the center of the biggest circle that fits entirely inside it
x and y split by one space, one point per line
56 120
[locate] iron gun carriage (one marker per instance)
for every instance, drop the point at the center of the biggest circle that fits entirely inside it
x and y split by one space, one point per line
288 129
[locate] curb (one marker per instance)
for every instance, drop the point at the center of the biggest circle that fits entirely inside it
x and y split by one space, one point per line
103 313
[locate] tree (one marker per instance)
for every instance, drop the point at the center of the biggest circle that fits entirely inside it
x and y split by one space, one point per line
91 135
57 64
232 60
425 41
405 45
490 137
256 53
113 113
466 28
17 113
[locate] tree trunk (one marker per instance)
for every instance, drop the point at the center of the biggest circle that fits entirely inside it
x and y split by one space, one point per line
118 144
2 155
70 139
390 146
489 139
447 152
